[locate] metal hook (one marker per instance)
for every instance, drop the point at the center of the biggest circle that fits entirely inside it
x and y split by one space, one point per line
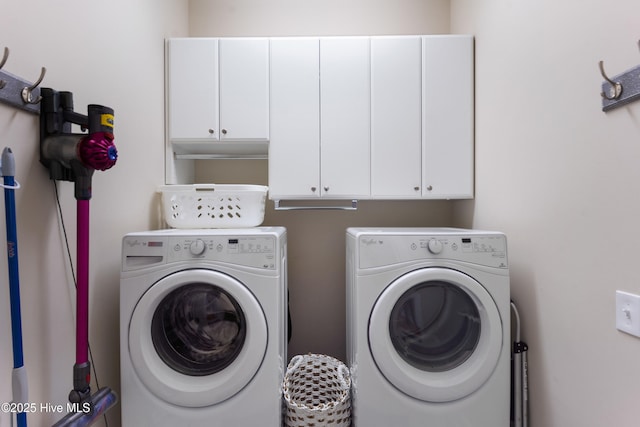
27 96
616 87
4 57
2 62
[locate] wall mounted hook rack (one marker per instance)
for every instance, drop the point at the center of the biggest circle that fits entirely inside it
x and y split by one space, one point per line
621 89
18 92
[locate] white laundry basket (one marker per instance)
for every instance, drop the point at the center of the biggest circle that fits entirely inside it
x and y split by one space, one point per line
213 205
317 392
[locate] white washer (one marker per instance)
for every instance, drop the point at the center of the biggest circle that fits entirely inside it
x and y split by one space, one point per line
203 327
428 327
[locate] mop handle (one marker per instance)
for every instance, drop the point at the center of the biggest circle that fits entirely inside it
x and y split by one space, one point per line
19 375
82 293
12 253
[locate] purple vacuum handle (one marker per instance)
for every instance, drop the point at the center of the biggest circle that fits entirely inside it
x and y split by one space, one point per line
98 151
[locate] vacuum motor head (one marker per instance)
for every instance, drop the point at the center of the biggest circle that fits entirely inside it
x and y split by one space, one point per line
70 156
98 151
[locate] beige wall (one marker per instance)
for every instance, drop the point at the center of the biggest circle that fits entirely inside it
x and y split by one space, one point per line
555 173
107 53
317 17
561 178
317 238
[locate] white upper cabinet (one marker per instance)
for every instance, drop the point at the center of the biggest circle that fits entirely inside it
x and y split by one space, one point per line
345 117
294 149
320 119
193 88
448 118
396 122
218 89
244 89
380 117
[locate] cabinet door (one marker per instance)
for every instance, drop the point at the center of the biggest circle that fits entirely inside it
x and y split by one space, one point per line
396 117
294 148
448 117
193 88
345 117
244 89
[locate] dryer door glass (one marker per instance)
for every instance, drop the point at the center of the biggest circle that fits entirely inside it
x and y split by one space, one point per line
198 329
436 334
435 326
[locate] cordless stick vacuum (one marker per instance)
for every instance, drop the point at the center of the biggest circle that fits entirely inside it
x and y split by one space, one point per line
74 157
19 374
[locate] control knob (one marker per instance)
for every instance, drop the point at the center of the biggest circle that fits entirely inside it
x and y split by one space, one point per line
434 246
197 247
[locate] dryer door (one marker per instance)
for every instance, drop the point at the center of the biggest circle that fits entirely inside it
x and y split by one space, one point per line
197 337
435 334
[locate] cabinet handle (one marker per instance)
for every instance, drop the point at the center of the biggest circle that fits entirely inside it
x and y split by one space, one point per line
326 188
224 131
429 188
211 131
313 189
416 188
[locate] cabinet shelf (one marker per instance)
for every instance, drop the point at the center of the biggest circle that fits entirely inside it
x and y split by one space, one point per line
220 149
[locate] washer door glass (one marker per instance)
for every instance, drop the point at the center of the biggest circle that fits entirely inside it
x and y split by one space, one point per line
197 337
198 329
435 334
435 326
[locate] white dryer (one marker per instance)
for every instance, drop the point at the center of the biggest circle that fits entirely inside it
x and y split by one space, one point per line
428 327
203 327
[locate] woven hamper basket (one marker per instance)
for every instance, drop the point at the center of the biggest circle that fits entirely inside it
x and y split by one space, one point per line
317 392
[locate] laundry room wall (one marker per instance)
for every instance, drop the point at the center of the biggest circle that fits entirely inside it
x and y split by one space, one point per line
317 238
561 178
109 53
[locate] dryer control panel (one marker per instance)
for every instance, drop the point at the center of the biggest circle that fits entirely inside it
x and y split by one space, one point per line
243 250
388 249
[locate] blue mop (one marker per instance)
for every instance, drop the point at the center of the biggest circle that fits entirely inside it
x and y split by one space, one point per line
19 374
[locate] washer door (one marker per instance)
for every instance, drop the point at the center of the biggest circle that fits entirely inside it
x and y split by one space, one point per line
197 337
435 334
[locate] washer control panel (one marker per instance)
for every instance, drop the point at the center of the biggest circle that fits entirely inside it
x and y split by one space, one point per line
254 251
379 250
246 250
